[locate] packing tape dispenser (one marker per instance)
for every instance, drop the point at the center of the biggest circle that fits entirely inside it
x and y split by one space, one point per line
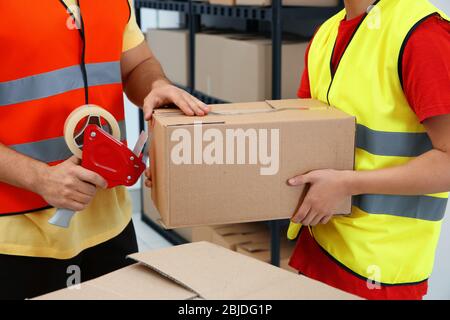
101 152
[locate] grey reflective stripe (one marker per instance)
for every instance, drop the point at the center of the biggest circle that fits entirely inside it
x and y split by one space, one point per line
51 150
56 82
418 207
400 144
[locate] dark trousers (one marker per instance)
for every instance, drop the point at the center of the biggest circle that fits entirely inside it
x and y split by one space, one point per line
28 277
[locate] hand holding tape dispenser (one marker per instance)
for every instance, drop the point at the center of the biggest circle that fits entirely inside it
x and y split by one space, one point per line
102 153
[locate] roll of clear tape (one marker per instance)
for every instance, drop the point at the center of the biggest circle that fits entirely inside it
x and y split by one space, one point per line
79 114
62 216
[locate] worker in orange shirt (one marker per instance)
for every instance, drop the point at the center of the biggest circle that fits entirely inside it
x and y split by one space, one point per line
58 55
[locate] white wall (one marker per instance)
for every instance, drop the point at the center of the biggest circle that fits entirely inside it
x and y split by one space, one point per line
439 285
443 5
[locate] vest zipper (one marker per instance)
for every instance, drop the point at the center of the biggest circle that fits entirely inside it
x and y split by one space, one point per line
339 61
83 56
83 50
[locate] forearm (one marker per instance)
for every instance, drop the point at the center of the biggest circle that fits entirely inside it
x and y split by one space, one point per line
144 78
19 170
428 173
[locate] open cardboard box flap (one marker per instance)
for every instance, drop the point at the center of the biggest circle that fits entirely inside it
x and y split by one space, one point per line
198 270
217 273
135 282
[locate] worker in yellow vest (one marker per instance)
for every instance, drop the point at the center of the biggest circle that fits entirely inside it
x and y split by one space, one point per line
386 62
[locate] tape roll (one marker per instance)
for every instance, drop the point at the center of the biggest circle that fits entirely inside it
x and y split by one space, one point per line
79 114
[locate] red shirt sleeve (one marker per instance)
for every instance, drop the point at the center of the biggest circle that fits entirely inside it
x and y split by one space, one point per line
304 91
426 69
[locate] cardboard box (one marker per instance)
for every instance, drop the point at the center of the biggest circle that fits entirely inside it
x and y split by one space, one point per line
189 234
230 236
305 3
238 67
240 174
170 47
223 2
260 250
199 271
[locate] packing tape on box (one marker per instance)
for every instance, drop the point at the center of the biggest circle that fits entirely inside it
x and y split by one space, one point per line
236 112
79 114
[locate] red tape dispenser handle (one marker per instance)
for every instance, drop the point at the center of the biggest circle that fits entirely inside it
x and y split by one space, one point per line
102 153
110 158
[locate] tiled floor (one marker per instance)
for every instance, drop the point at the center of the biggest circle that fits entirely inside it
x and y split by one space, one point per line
148 238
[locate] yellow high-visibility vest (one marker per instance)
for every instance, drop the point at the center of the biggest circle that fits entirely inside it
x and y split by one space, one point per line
388 238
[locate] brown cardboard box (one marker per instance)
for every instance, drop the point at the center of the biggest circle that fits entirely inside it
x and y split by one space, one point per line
198 271
229 236
170 46
260 250
191 234
197 184
223 2
306 3
238 67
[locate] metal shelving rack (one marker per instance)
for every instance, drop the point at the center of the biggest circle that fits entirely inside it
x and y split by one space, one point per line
274 14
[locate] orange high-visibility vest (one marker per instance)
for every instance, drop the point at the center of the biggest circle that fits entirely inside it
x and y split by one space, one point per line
47 69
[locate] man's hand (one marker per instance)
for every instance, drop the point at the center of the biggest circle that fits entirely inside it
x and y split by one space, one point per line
147 86
328 189
148 176
69 185
165 93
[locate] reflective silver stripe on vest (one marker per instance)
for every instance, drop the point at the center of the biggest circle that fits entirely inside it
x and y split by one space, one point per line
51 150
400 144
418 207
56 82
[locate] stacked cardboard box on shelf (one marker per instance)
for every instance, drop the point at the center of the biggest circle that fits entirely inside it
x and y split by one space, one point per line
170 46
309 3
219 57
238 67
261 250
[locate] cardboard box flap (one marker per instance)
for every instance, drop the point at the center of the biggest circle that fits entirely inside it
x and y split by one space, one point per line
298 103
134 282
256 112
217 273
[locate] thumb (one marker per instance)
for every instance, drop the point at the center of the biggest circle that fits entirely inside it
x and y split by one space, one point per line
148 108
299 180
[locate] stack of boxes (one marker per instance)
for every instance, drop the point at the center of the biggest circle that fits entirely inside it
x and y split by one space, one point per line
294 3
221 56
